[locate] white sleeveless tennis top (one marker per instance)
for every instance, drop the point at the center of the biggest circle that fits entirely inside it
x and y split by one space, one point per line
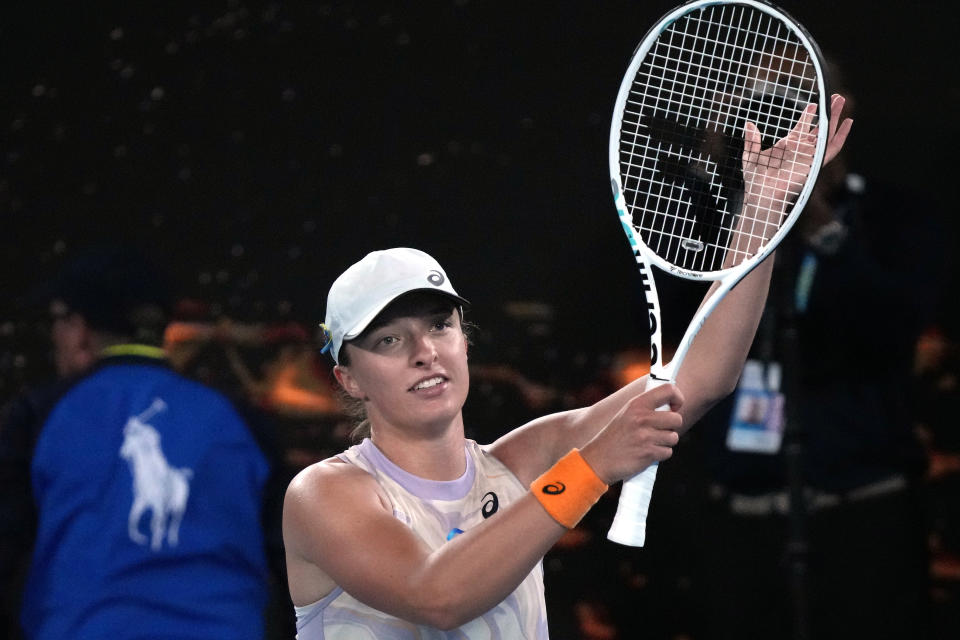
437 511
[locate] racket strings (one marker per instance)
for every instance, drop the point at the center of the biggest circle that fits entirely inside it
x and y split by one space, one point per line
709 112
682 141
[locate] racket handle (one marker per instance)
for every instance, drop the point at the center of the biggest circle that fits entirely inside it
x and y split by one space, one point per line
630 523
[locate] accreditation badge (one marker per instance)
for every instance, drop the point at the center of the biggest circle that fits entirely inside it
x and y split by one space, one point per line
756 425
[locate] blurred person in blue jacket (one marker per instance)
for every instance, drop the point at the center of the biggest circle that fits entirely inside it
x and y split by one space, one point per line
139 491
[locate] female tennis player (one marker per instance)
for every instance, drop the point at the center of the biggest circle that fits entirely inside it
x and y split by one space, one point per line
419 532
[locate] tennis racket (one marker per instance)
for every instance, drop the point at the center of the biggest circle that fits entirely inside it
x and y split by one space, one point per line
719 130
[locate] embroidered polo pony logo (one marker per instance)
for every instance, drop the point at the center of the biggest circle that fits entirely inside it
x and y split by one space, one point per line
156 485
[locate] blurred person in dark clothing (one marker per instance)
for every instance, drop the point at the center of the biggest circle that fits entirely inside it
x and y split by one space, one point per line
864 262
138 490
938 402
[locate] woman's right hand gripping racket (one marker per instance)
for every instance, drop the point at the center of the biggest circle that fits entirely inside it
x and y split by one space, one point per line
719 130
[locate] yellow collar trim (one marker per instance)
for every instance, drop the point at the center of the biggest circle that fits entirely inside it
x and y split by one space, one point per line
143 350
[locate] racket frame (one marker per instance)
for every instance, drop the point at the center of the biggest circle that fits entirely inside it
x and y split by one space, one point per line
629 525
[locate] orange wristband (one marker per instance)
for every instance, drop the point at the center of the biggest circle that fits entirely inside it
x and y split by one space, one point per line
568 489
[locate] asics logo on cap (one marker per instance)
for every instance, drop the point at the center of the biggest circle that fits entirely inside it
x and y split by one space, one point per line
435 278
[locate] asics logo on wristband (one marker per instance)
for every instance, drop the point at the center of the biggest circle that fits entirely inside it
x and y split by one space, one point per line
554 488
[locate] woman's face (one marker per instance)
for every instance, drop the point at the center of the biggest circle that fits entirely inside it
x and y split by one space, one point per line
410 365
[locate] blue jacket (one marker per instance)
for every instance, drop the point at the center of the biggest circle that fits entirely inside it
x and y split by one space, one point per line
148 490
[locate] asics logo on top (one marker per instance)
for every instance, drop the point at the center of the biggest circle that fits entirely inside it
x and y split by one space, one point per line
490 506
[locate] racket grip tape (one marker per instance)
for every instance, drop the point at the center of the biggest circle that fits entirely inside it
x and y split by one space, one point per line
630 523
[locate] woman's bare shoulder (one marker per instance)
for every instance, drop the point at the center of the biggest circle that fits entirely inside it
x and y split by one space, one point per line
320 489
320 478
331 486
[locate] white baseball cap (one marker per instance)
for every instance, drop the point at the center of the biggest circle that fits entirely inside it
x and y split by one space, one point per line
368 286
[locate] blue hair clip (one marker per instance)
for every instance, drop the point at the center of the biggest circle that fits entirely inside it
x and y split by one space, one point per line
327 338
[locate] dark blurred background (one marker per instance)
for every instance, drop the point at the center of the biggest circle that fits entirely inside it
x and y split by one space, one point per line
263 146
258 148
